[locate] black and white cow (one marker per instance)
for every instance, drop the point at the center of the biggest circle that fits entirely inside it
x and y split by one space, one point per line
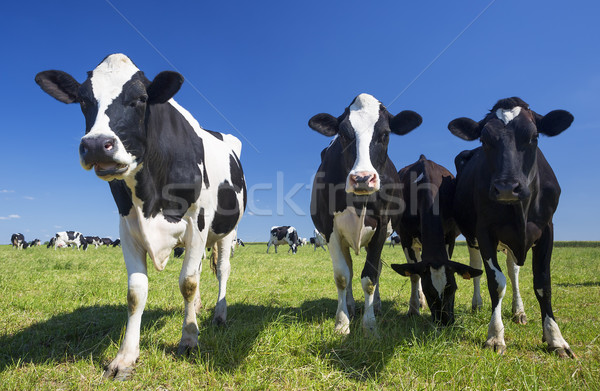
106 242
427 233
506 195
282 235
67 239
174 183
394 240
116 243
17 241
354 194
319 240
93 240
35 243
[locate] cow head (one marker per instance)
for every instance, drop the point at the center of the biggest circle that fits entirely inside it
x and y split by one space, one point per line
114 100
363 131
439 285
509 136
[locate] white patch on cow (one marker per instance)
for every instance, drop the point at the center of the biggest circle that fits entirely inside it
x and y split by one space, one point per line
552 334
418 178
290 230
499 277
351 228
364 114
438 279
540 292
508 115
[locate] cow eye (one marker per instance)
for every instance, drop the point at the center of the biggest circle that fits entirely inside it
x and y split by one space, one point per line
139 101
533 140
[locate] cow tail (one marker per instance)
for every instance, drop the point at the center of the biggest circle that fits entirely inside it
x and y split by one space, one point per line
214 256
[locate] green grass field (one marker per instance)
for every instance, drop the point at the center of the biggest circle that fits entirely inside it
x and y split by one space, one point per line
63 314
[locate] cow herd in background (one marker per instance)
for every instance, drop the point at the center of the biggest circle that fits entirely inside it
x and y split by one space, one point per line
64 239
176 184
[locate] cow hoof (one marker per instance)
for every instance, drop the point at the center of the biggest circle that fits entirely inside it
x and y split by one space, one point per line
342 329
118 373
498 347
186 349
219 322
413 312
520 318
564 352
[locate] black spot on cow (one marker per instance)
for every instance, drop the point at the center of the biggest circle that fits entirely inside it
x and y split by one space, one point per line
228 210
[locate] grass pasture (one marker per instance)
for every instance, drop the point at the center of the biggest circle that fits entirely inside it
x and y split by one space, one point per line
63 314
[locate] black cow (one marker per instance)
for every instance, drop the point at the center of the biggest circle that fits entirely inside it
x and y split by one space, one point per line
427 232
506 195
35 242
394 240
174 183
282 235
116 243
17 241
106 241
354 195
93 240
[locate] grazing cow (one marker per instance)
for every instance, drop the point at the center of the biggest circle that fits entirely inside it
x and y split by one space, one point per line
282 235
116 243
106 242
174 183
353 195
394 240
17 241
506 195
319 241
427 233
35 242
68 238
178 252
93 240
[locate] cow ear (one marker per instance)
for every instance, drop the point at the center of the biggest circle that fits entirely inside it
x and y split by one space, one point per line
465 271
465 128
324 123
408 269
405 121
164 86
554 123
59 85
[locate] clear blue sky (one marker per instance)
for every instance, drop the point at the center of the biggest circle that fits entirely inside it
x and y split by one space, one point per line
260 70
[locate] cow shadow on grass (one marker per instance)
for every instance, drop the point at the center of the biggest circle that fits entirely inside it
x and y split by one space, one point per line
359 357
81 334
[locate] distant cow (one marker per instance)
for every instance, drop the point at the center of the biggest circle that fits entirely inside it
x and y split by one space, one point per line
106 241
282 235
506 195
17 241
353 196
93 240
35 242
68 238
174 183
116 243
178 252
427 232
318 240
394 240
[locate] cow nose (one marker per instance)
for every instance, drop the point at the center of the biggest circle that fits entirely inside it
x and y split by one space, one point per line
363 182
94 149
506 190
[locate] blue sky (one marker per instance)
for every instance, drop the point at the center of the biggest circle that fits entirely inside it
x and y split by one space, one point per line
260 70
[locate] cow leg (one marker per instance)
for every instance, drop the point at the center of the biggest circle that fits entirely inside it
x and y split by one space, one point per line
342 275
275 249
377 298
188 286
518 309
417 299
370 279
541 258
476 262
223 270
137 293
268 246
497 288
